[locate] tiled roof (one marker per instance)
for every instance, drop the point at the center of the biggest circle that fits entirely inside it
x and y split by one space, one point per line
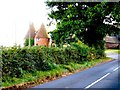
31 31
112 39
42 33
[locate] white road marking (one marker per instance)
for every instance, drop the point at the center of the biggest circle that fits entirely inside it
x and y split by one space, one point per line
97 81
116 68
66 87
100 78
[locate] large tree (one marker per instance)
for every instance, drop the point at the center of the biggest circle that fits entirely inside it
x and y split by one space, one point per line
84 21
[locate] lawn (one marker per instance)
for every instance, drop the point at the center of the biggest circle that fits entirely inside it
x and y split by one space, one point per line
113 51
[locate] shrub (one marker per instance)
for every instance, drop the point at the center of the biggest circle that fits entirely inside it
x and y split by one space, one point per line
17 61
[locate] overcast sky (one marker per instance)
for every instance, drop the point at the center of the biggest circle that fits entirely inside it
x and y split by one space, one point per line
15 17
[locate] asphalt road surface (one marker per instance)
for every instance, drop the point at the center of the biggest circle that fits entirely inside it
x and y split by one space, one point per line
104 76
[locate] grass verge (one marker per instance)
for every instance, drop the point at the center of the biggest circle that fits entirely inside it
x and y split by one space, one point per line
113 51
39 77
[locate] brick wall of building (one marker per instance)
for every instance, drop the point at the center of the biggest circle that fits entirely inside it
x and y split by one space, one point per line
43 42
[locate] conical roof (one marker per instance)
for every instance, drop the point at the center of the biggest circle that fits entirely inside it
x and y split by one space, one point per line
31 31
42 33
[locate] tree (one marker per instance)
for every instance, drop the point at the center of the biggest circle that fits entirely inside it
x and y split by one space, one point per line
26 43
83 21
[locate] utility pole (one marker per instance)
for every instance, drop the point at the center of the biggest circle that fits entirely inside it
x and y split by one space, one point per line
15 32
29 39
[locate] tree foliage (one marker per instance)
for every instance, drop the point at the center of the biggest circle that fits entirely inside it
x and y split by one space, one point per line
83 21
26 43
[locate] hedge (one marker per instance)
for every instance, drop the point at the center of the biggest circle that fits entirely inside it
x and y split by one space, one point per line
17 61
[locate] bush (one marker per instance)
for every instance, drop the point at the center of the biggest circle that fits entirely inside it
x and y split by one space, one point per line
17 61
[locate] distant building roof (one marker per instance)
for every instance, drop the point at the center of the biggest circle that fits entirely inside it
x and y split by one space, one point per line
31 31
112 39
42 33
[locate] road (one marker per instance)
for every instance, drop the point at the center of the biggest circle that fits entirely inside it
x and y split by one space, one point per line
103 76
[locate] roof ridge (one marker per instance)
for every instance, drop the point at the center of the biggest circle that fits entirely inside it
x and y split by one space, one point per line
42 32
31 31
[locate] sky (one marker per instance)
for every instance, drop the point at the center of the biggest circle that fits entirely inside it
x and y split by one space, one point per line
15 17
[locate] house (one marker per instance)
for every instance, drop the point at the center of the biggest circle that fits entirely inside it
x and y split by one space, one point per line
29 38
42 38
112 42
31 32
